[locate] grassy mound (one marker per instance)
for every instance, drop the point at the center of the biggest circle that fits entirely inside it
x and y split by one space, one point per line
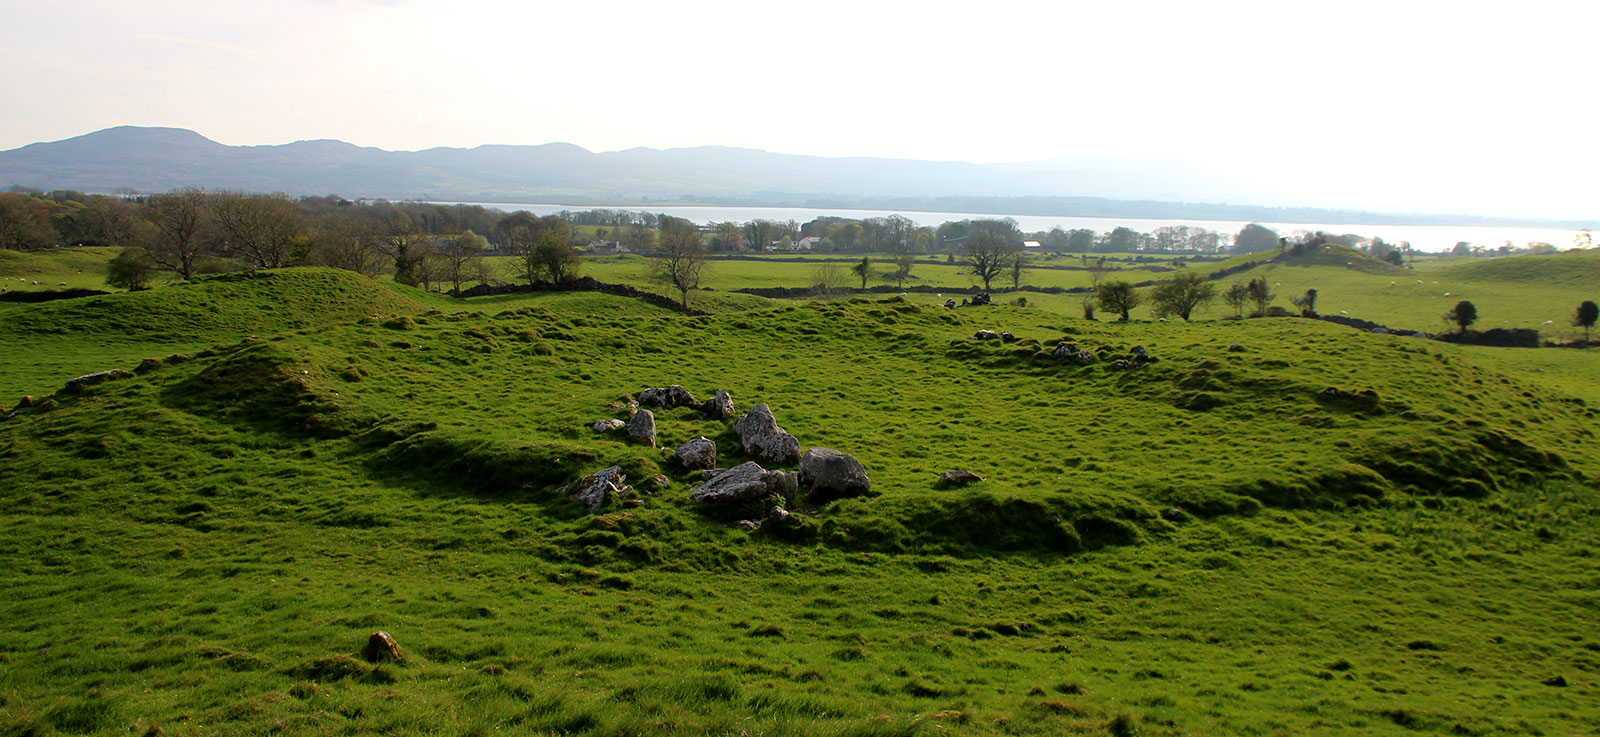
215 308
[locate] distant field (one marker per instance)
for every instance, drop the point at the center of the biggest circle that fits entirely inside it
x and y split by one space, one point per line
60 268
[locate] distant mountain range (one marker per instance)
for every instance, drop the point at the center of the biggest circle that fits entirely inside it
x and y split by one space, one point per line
161 159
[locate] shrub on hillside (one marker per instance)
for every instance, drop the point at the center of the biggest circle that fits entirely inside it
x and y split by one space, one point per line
131 270
1462 315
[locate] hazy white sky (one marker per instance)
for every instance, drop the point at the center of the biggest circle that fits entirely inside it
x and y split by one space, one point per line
1409 106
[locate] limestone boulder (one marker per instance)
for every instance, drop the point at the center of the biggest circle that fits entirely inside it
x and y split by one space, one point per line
594 490
87 380
832 473
760 436
718 407
642 428
667 397
608 425
745 481
956 477
700 454
381 648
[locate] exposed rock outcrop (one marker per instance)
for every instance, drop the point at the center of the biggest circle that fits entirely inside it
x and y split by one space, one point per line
608 425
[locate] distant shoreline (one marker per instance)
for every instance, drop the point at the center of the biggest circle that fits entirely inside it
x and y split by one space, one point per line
1423 237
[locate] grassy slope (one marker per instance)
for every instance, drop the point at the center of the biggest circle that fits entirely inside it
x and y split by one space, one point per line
66 338
216 533
1517 291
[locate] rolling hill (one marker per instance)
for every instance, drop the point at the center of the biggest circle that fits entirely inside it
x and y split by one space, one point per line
1279 524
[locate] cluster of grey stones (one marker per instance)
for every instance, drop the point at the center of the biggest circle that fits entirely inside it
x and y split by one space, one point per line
820 469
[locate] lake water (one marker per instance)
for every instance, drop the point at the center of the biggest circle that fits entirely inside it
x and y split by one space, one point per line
1421 237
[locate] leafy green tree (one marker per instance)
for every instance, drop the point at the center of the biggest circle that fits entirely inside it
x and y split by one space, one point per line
130 270
1016 268
1236 296
1463 315
1124 240
1307 303
760 234
863 270
555 258
1181 294
847 236
1119 297
1254 238
1081 240
1585 318
1260 294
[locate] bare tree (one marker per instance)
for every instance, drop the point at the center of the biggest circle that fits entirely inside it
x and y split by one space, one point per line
344 242
114 220
262 228
24 222
680 258
178 217
827 280
986 256
461 258
1097 270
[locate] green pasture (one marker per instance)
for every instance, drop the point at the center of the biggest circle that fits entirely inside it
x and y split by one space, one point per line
1210 543
56 268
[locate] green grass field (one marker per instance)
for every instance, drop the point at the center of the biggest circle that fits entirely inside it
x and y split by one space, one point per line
1211 543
